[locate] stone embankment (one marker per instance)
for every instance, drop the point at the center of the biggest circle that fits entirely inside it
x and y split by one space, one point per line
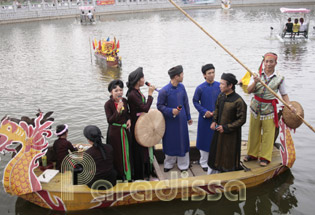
67 8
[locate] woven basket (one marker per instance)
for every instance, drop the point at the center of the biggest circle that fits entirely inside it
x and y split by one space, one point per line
290 118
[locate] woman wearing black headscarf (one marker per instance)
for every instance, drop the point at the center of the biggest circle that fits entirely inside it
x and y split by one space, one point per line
138 104
118 135
102 155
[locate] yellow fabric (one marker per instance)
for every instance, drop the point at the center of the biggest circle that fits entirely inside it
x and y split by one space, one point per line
261 145
95 43
103 47
246 78
290 148
296 28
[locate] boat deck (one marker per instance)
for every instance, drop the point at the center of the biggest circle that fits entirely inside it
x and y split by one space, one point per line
251 177
196 170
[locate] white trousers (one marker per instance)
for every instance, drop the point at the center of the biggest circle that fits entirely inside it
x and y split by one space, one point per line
182 162
203 158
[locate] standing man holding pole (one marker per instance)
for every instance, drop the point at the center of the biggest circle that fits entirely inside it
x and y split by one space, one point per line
173 103
204 100
264 117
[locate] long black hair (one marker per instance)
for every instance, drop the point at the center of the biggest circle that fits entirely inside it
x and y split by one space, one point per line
94 134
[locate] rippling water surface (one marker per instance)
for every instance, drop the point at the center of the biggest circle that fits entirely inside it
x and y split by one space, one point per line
48 65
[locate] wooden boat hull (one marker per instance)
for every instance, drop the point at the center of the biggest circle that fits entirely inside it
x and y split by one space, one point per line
61 195
108 63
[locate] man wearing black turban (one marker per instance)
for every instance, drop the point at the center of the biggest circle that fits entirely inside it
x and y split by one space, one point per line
173 103
142 156
102 155
205 96
228 118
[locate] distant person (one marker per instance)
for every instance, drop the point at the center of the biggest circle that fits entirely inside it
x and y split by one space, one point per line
303 27
62 145
228 118
102 155
82 16
204 100
288 27
296 27
90 16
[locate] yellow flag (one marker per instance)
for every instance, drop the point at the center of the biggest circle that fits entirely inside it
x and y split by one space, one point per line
95 43
103 46
246 78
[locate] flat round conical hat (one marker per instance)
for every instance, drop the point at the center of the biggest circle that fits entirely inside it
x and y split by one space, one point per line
291 119
150 128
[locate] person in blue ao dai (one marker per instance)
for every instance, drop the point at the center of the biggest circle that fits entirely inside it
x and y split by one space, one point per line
204 100
173 103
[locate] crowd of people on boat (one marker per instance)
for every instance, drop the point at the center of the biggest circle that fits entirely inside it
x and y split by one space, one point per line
222 113
296 28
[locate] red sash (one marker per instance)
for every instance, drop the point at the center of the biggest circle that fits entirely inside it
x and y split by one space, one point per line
274 103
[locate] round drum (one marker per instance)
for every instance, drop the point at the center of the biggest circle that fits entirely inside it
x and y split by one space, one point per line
290 118
150 128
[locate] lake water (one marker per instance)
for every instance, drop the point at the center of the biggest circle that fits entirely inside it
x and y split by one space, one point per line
47 65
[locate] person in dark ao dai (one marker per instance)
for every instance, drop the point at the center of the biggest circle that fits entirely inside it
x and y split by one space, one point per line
118 135
228 118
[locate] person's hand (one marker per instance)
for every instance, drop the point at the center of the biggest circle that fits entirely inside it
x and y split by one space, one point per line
151 90
256 78
220 129
212 126
292 108
175 112
79 147
128 123
190 122
208 114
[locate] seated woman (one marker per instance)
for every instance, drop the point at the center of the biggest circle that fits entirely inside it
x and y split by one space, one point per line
102 155
303 28
62 145
296 27
288 27
118 135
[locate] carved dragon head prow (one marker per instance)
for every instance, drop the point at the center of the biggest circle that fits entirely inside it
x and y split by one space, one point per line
31 134
10 132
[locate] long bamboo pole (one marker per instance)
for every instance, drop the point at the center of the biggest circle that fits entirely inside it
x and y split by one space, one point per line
235 58
90 49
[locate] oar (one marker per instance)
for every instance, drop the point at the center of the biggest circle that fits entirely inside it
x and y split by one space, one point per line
275 94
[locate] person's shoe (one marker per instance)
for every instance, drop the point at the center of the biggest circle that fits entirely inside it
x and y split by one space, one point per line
263 163
205 169
166 170
249 158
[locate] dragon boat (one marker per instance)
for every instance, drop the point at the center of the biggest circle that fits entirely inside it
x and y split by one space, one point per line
24 178
106 52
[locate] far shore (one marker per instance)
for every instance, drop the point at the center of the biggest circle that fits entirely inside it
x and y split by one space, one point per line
28 13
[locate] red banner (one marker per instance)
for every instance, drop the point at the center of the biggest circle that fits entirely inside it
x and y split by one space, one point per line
105 2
